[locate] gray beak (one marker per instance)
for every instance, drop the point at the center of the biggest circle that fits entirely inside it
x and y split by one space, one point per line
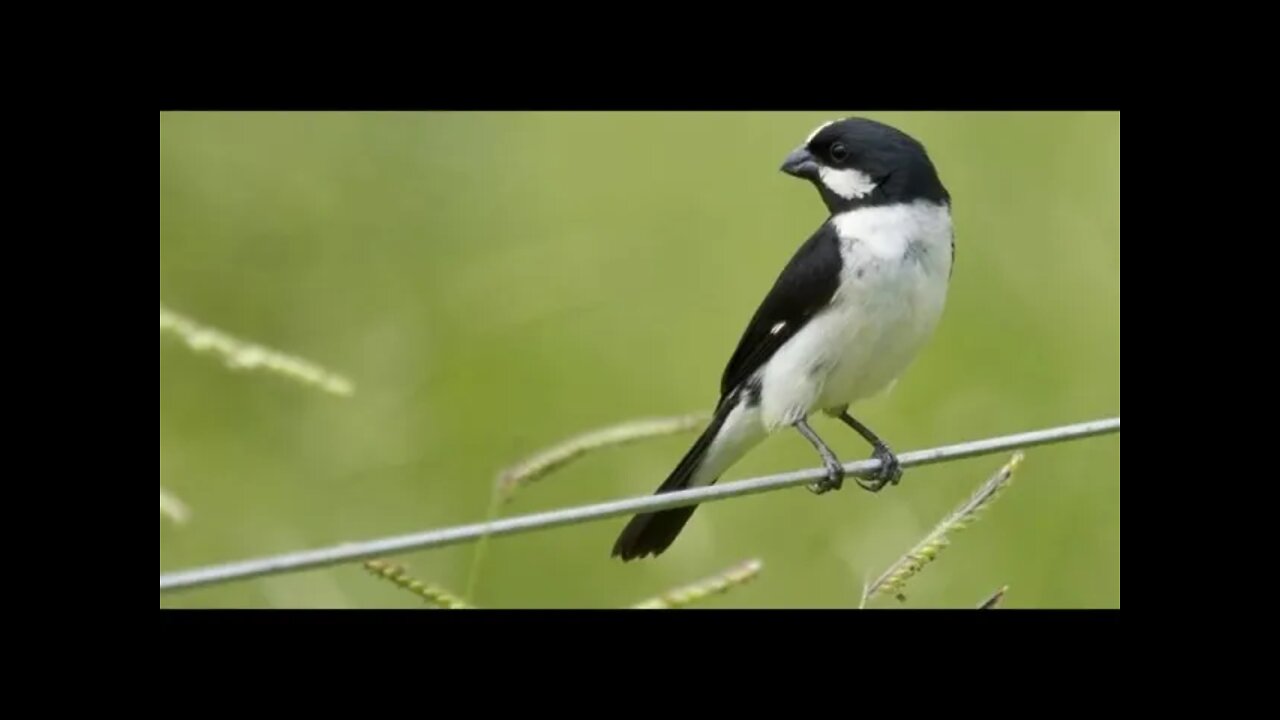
800 163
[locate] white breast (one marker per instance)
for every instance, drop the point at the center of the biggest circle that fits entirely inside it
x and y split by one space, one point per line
897 262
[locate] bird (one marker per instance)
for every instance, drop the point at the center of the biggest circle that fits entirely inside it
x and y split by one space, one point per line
844 319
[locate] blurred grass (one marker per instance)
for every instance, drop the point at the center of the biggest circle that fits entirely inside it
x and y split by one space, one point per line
494 282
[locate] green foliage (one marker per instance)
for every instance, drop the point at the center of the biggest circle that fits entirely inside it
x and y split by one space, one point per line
517 476
173 508
994 601
716 585
672 599
927 549
396 574
239 354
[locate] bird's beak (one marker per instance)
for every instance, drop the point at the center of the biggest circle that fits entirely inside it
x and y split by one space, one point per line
800 163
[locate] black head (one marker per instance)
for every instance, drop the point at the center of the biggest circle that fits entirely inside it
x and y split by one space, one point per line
857 162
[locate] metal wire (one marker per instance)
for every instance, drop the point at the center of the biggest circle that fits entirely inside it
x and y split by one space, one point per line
381 547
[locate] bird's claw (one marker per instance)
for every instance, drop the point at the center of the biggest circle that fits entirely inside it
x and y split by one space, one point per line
833 481
889 472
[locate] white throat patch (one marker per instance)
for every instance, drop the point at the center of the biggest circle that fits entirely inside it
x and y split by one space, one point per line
848 184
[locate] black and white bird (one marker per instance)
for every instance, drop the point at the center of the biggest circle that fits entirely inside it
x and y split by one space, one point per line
845 318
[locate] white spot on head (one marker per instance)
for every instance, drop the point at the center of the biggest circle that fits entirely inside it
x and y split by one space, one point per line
777 328
847 183
814 134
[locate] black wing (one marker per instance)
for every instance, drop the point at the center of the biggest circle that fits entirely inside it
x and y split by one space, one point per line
804 287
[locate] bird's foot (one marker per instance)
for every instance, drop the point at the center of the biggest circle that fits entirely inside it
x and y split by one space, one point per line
833 481
889 472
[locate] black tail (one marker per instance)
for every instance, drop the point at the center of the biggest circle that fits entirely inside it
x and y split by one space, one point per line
652 533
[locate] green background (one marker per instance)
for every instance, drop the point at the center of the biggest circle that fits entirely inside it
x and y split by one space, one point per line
494 283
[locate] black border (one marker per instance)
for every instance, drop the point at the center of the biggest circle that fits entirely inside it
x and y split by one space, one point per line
426 77
1006 627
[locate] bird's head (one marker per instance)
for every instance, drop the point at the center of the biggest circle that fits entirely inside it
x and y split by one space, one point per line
856 162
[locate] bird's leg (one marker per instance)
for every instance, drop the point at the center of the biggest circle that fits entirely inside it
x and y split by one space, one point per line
835 471
890 471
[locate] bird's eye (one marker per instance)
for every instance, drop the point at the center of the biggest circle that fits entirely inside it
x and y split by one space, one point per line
839 152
